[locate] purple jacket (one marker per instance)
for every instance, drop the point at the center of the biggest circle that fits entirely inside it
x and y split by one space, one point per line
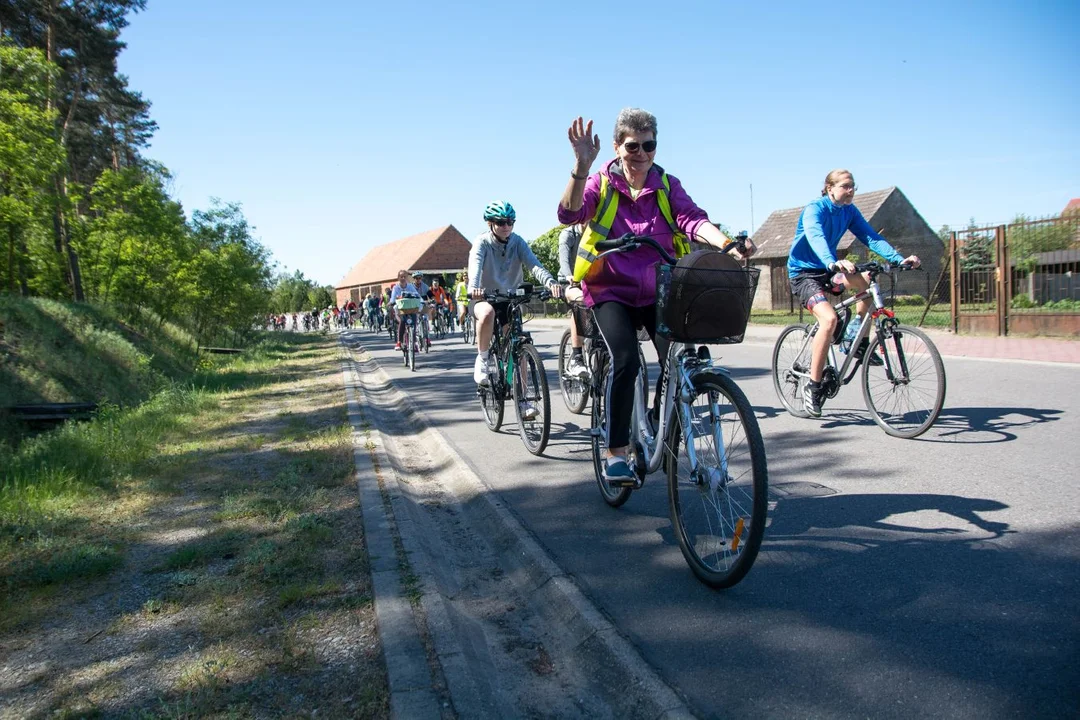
629 278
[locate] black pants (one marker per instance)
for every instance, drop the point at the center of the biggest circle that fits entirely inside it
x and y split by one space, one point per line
618 325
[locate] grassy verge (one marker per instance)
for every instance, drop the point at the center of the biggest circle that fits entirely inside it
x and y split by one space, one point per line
212 535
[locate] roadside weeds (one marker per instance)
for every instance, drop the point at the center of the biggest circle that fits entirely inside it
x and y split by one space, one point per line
239 583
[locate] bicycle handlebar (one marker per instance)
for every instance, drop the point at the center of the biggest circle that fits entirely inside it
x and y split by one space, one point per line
629 242
875 268
521 295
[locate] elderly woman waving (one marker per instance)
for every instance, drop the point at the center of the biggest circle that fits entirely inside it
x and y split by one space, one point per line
621 287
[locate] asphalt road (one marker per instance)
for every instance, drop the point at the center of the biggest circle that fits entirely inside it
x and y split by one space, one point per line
935 577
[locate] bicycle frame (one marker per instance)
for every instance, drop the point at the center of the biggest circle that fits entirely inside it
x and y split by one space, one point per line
682 366
850 360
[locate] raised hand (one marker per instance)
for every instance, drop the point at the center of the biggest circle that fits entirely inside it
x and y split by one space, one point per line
586 145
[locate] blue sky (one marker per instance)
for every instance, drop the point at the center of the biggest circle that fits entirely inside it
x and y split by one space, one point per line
339 126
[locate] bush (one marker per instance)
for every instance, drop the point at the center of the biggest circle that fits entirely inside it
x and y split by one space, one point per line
1023 302
1063 305
913 300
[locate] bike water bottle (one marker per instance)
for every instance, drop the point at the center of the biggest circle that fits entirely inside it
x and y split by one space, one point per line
851 332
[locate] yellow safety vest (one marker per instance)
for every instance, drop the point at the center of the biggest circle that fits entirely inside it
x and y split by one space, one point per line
600 226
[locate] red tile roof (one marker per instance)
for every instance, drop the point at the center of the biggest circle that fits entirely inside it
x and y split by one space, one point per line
1073 206
443 249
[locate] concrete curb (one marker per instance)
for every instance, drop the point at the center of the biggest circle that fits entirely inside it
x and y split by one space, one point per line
409 675
553 595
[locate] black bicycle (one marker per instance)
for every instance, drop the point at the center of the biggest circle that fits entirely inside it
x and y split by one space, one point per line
518 371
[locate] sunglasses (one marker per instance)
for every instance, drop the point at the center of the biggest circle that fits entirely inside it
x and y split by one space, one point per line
632 147
503 223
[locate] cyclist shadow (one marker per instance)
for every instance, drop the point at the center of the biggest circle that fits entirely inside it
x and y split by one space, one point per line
973 425
965 424
797 512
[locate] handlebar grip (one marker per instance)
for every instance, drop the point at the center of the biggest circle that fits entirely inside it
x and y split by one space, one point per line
609 244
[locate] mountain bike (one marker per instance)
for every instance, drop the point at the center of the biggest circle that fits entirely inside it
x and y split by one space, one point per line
903 378
705 434
518 371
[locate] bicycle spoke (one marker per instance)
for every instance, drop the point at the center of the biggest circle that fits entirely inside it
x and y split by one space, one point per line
717 482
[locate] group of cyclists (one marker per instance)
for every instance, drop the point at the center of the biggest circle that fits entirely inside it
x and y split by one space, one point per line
632 194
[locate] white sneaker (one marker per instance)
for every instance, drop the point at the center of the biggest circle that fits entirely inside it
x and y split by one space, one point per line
575 368
481 370
529 411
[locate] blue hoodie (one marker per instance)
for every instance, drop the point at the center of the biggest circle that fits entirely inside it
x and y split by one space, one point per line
820 228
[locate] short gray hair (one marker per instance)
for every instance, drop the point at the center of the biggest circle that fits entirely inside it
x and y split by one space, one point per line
633 120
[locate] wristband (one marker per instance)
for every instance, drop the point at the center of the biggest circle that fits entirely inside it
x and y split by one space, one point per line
578 177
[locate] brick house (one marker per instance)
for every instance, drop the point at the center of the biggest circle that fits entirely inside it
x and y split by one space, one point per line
441 253
888 211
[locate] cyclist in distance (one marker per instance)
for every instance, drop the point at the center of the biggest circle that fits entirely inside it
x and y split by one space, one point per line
497 262
569 238
621 287
440 297
404 288
428 312
815 273
461 296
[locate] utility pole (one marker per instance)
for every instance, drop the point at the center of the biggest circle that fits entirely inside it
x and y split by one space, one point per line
751 209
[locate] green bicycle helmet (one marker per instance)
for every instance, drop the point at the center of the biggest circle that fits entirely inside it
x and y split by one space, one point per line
499 211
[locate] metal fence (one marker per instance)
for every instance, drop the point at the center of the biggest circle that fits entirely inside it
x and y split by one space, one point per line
1017 278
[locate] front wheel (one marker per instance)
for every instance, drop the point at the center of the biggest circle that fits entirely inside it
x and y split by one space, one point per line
613 496
575 391
719 494
903 381
532 400
791 367
491 399
413 335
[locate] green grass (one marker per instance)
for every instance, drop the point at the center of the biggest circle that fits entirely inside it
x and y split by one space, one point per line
939 315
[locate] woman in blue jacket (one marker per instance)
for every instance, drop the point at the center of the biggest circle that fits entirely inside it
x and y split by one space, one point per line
815 272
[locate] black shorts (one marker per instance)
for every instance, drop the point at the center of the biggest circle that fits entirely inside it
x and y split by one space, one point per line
814 286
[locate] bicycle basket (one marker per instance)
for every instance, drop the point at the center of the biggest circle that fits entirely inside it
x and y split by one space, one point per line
586 323
705 298
409 304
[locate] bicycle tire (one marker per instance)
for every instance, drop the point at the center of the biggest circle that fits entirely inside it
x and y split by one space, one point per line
531 386
613 496
412 348
710 512
492 400
904 408
575 392
786 356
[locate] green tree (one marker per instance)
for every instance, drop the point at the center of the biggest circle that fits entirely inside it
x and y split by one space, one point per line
546 249
977 252
29 157
1027 239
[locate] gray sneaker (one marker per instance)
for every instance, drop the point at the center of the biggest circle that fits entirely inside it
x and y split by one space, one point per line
811 400
575 368
529 411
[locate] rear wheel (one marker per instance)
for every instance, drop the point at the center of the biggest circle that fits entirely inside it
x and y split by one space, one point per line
613 496
906 392
719 506
532 400
791 367
575 391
